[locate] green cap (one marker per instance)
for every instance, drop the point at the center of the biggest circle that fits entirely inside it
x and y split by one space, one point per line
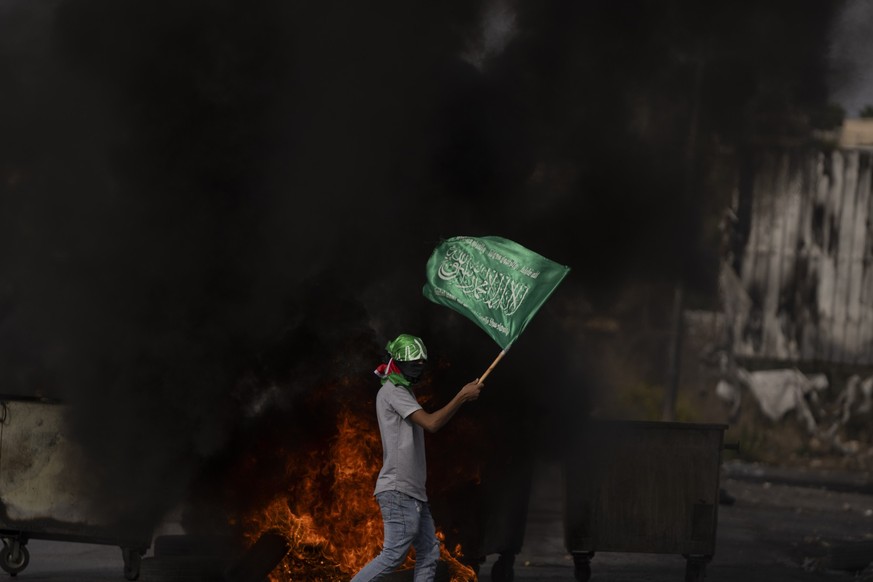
406 348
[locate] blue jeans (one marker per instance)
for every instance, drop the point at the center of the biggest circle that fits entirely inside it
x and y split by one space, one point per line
407 522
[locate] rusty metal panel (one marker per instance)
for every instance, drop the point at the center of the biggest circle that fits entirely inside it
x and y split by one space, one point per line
37 464
649 487
44 491
800 287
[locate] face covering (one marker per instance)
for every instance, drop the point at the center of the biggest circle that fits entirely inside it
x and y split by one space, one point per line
390 371
404 361
400 373
412 370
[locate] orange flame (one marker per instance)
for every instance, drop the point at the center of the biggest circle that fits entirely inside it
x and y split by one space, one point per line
328 515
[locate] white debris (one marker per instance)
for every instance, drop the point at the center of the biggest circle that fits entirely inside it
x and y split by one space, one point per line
731 394
780 391
857 394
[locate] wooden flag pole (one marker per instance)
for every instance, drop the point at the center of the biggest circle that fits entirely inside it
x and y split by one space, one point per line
493 364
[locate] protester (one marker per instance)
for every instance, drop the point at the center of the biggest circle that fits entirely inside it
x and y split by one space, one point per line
400 487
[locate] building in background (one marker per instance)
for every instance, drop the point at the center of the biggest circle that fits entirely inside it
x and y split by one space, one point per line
857 133
797 278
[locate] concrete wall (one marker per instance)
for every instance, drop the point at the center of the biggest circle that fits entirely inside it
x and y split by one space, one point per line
857 133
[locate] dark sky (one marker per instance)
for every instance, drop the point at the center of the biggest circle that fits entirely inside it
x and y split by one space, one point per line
196 194
851 49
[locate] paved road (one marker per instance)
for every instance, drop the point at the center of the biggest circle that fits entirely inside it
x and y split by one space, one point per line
767 535
70 562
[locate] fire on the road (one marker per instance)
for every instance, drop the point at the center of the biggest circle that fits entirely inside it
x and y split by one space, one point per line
328 513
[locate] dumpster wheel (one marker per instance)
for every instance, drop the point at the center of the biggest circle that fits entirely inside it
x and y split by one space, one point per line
502 570
14 557
695 568
132 561
582 566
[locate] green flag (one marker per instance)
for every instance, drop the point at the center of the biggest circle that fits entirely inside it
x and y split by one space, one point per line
495 282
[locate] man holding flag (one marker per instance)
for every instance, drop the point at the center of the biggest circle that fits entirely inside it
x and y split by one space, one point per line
400 487
499 285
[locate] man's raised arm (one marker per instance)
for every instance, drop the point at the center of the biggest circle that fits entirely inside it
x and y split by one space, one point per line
433 421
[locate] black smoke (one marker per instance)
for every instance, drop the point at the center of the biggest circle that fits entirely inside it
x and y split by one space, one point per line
211 206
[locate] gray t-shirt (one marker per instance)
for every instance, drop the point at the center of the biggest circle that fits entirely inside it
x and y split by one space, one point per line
403 462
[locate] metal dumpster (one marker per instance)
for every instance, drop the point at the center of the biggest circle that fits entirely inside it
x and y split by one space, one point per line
43 491
648 487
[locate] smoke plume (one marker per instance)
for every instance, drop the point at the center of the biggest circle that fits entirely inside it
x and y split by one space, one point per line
210 207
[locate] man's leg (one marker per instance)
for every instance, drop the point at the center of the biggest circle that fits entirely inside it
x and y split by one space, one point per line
427 546
400 519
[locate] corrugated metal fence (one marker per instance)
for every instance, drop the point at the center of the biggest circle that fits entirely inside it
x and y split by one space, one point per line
800 284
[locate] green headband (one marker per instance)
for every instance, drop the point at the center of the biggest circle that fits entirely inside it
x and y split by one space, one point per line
406 348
